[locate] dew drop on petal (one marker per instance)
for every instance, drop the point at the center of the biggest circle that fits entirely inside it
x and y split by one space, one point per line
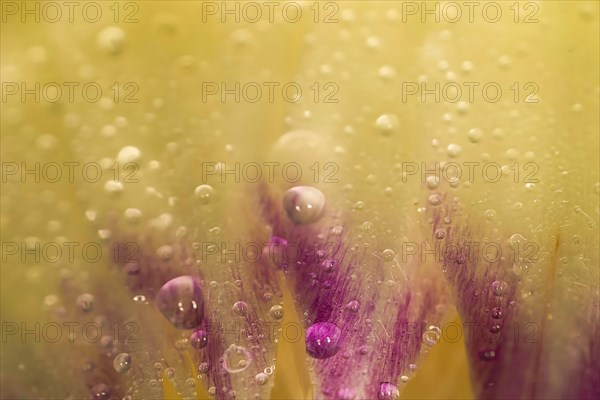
387 124
129 154
261 378
181 301
388 255
329 265
122 363
111 39
101 392
499 288
304 204
387 391
240 308
276 312
440 233
199 339
323 340
475 135
454 150
497 313
203 368
204 193
431 336
85 302
353 306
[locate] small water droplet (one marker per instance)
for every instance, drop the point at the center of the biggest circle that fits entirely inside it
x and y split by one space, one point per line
353 306
276 312
122 363
85 302
204 193
240 308
388 255
304 204
497 313
499 288
440 233
329 265
454 150
432 335
101 392
261 378
199 339
387 124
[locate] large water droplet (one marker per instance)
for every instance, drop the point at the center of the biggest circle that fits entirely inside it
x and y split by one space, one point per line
387 391
304 204
323 340
204 193
180 300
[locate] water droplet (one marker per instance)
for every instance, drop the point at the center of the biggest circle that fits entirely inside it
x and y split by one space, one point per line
132 214
487 355
139 298
434 199
261 378
204 193
494 328
170 373
240 308
276 312
323 340
387 391
236 359
499 288
85 302
489 214
412 367
475 135
387 72
387 124
180 300
353 306
304 204
101 392
431 336
432 181
122 363
404 379
388 255
129 154
516 240
329 265
440 233
203 368
199 339
454 150
497 313
111 39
